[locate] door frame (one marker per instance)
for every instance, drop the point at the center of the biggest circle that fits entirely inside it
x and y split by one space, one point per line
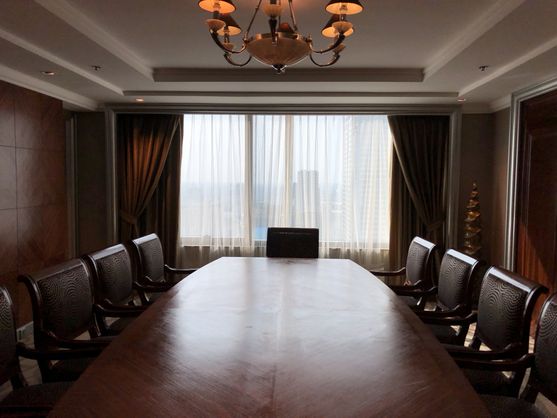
509 259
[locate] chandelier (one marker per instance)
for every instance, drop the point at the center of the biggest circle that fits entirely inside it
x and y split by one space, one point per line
283 45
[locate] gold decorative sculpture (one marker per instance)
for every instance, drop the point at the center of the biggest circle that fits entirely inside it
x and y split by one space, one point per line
472 224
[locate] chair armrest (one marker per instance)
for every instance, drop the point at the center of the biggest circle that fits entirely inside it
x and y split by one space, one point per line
111 310
399 272
163 287
417 293
175 270
448 321
459 311
403 288
503 365
465 353
150 282
65 343
34 354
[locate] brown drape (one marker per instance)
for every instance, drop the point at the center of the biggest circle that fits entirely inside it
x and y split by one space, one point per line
162 213
406 224
149 155
418 201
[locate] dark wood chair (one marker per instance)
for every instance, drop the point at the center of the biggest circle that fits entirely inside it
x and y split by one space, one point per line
25 400
542 364
454 296
113 287
418 271
152 272
502 321
63 309
293 242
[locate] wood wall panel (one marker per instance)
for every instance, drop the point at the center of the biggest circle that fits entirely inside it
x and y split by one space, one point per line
40 177
7 178
537 192
33 208
7 120
8 240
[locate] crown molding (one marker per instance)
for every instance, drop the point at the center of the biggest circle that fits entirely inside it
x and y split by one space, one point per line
83 24
187 93
542 49
345 75
495 14
34 49
500 104
19 79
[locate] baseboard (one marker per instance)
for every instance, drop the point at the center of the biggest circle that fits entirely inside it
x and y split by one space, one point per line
25 331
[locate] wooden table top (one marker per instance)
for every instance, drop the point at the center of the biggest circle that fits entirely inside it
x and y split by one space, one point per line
259 337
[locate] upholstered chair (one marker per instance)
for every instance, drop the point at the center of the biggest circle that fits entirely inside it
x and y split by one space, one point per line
151 268
113 287
454 296
25 400
502 321
293 242
63 309
419 284
543 370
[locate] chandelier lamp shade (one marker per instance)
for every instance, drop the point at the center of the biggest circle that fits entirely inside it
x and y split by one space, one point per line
283 45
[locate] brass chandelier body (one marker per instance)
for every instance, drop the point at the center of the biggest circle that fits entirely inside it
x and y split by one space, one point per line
283 45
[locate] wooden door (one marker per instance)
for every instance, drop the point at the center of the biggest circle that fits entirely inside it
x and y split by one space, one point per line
537 192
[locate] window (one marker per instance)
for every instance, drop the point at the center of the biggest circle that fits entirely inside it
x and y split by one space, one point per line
244 173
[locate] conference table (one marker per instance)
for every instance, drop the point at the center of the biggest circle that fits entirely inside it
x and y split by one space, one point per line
269 337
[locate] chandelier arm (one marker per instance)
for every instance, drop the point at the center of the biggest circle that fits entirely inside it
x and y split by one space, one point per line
215 37
252 19
292 15
228 58
337 43
331 62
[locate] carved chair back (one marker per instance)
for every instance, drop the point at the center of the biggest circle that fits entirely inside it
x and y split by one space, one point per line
455 285
9 362
111 269
418 261
293 242
150 258
505 309
62 299
543 377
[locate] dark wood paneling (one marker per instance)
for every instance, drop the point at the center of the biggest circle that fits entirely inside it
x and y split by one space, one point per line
8 240
260 337
40 177
7 178
537 192
33 185
42 235
7 134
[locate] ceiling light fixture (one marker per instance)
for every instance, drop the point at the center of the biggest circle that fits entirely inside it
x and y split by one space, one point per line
140 100
49 73
461 99
283 45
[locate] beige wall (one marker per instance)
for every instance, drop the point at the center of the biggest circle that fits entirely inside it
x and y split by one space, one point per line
484 148
476 162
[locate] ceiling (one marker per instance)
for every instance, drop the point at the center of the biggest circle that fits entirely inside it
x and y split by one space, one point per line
403 51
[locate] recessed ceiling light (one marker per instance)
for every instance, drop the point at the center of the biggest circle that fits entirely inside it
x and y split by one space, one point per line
50 73
461 99
140 99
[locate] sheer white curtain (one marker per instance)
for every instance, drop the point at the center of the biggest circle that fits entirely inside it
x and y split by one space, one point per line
242 174
214 191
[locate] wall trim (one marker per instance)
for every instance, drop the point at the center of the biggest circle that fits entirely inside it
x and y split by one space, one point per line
452 180
509 259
